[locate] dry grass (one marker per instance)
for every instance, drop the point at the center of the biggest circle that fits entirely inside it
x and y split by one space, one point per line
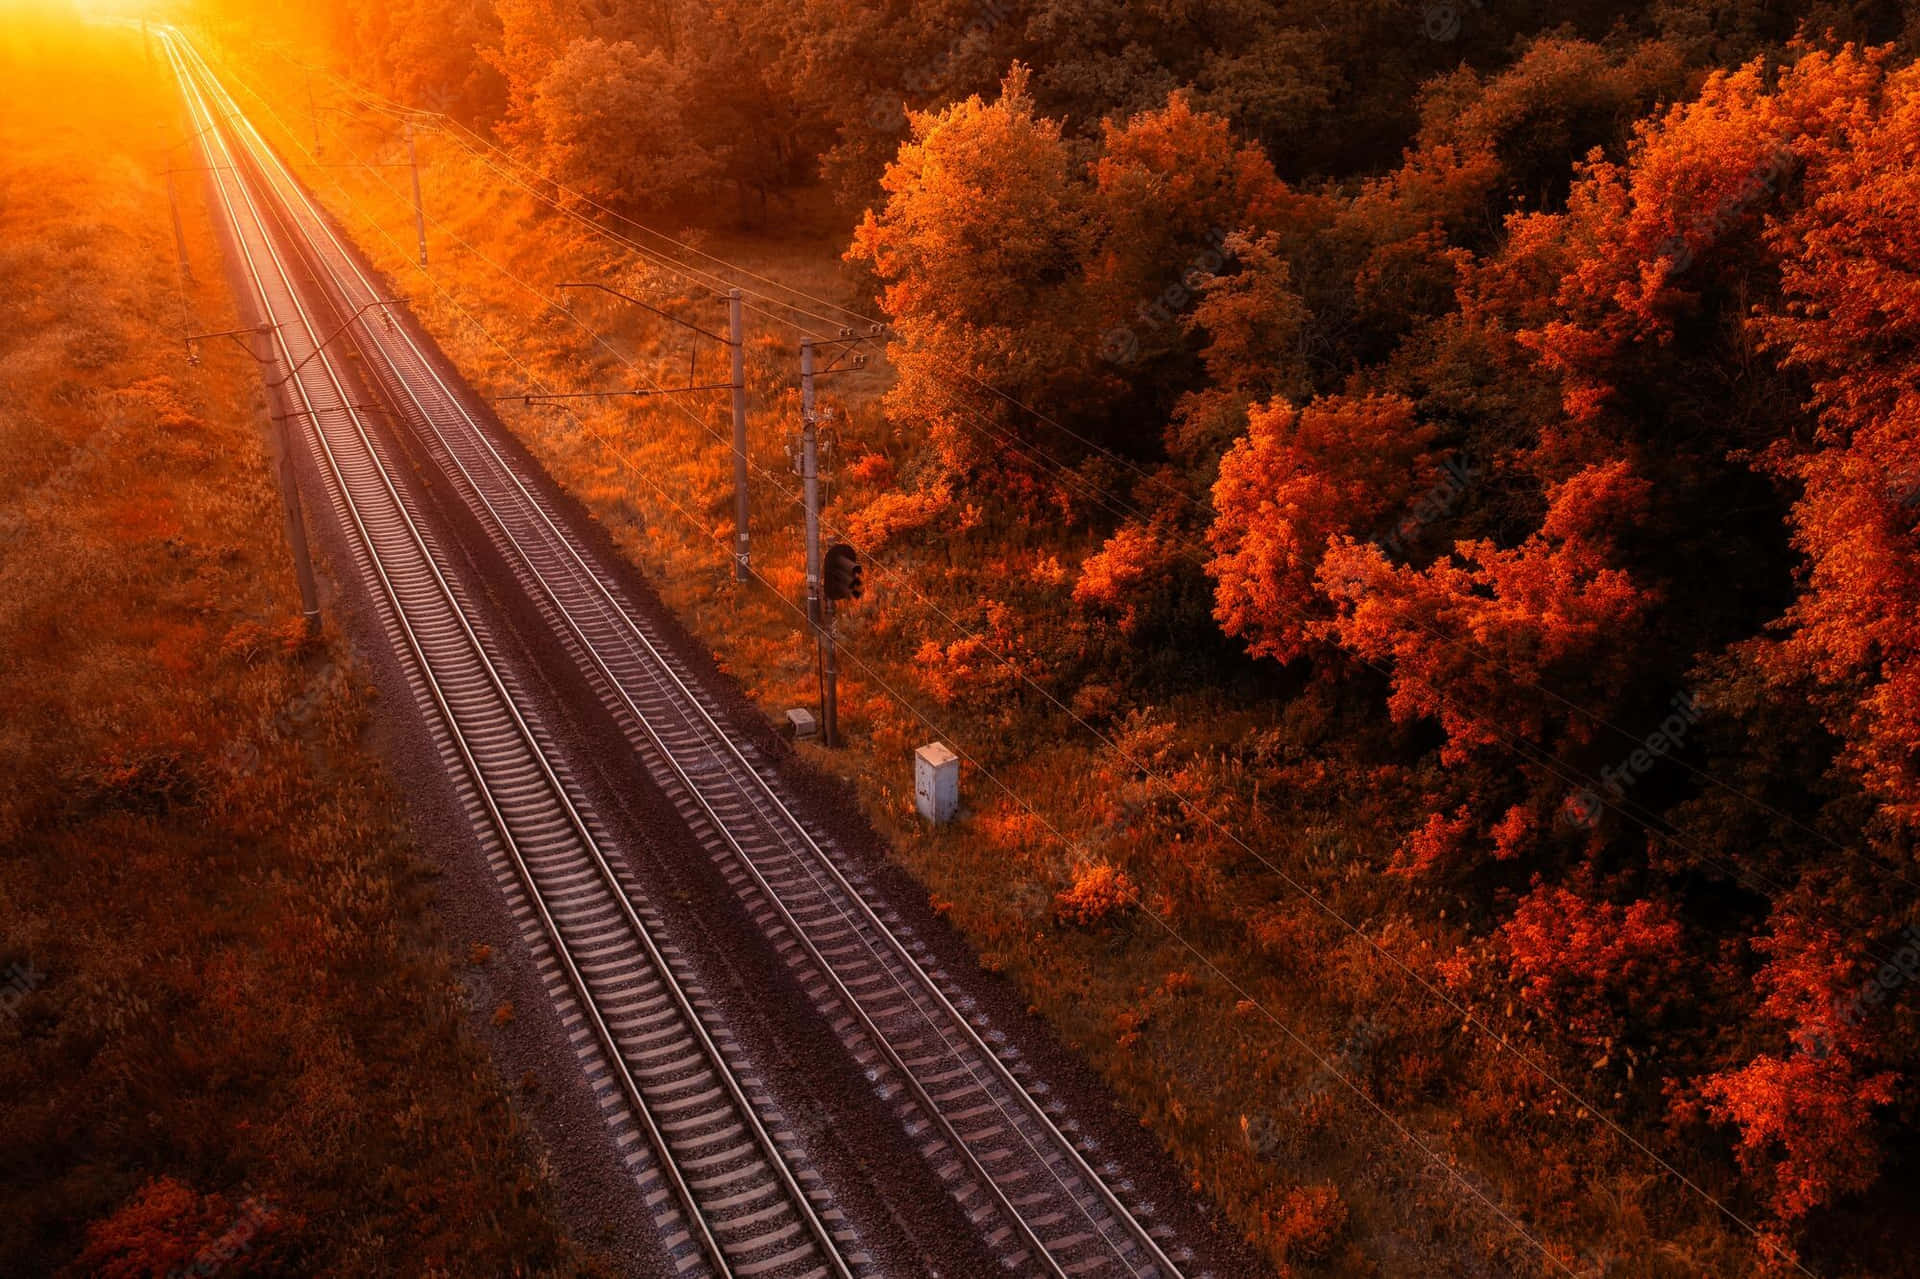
230 1027
963 625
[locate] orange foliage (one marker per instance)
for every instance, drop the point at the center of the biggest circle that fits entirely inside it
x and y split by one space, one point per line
1125 574
1805 1126
1298 479
1552 609
170 1229
1852 320
1098 892
1593 967
1307 1222
984 215
1169 188
1639 238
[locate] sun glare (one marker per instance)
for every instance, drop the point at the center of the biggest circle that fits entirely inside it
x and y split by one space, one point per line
14 11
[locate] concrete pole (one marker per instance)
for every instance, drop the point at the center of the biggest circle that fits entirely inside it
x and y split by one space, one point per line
179 232
419 216
819 609
735 330
810 478
289 491
313 117
829 680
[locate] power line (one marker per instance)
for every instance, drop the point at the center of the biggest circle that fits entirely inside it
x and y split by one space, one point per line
1552 766
1593 717
1321 1060
1564 772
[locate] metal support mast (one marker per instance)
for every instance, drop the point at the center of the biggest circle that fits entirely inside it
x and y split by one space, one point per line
289 491
313 118
819 608
179 232
810 479
419 216
736 341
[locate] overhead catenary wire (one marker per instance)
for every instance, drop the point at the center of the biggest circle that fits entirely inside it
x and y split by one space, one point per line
501 162
1146 1239
1321 1060
1563 772
1550 765
459 131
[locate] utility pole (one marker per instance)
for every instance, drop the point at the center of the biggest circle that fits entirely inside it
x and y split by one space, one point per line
819 611
179 233
810 477
419 218
289 491
829 680
735 339
313 117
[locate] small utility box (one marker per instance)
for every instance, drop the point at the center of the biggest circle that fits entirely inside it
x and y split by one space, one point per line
800 724
936 782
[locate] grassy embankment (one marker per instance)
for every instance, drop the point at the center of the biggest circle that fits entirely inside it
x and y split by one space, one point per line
1259 1124
227 1033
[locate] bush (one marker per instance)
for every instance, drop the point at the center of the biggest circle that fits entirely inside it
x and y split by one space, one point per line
1099 892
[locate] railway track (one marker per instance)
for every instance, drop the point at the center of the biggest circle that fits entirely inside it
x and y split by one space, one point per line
1038 1191
727 1192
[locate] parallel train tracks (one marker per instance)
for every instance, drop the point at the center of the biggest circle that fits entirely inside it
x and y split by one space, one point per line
731 1188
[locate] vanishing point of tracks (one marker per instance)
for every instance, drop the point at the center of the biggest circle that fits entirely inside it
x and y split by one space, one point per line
729 1185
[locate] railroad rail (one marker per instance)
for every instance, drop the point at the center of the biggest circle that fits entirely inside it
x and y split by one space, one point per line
727 1193
1006 1150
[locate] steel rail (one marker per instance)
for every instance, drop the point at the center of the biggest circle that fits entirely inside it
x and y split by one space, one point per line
616 1054
787 824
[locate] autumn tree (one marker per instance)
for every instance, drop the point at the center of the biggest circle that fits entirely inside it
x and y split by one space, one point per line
1299 480
978 247
1851 320
433 54
1172 187
610 122
1469 639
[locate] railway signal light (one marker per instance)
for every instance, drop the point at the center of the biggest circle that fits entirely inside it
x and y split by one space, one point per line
842 573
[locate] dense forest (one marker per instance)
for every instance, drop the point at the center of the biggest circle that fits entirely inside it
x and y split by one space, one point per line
1521 397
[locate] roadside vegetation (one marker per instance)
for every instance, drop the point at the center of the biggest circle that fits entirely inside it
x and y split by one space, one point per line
1408 517
229 1036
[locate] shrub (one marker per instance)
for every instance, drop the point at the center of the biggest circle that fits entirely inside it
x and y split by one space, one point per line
1099 891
